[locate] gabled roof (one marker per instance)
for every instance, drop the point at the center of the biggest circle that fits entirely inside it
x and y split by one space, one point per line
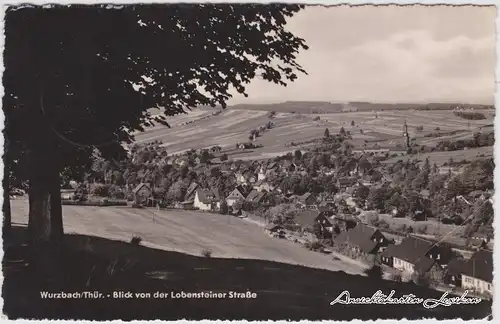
259 182
308 217
305 196
192 187
273 227
207 196
271 165
234 193
139 187
360 236
414 250
480 266
456 267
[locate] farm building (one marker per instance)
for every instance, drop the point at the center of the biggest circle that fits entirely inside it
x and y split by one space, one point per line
206 200
142 193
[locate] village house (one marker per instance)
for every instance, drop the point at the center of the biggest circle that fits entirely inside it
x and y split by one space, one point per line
67 194
206 200
328 200
306 200
234 196
362 239
328 211
477 274
261 176
478 241
419 215
142 193
271 166
191 192
416 255
306 219
453 272
346 182
246 177
259 198
343 223
180 162
276 230
288 166
244 146
262 185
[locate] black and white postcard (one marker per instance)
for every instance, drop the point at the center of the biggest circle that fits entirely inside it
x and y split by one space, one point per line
248 161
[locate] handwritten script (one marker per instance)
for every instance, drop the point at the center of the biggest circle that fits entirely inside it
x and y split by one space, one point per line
382 299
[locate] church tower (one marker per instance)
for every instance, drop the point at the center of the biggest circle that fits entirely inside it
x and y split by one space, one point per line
406 135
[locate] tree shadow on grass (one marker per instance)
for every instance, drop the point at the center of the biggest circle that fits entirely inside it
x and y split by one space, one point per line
284 291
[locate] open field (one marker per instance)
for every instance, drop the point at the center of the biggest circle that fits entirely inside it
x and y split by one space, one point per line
200 129
187 232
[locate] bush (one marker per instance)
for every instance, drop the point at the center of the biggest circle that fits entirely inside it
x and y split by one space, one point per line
136 240
206 253
100 190
421 280
315 246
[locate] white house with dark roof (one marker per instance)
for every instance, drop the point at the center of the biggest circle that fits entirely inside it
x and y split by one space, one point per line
477 274
234 196
206 200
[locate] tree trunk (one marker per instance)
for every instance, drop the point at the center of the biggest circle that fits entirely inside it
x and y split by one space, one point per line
7 221
45 210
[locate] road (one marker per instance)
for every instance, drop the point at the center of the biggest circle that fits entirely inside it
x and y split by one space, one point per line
188 232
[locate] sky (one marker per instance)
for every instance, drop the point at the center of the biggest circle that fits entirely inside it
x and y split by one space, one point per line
390 54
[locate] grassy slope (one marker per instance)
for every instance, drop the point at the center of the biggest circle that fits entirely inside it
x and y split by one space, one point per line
283 291
186 232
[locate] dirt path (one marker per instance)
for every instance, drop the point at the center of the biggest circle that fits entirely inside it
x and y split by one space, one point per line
188 232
